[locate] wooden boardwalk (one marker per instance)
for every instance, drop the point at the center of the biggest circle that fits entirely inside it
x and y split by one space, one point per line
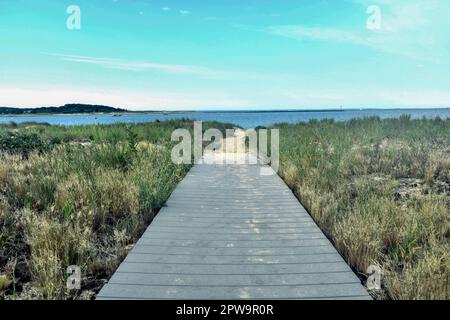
228 232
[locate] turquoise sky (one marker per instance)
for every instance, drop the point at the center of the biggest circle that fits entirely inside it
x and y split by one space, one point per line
225 54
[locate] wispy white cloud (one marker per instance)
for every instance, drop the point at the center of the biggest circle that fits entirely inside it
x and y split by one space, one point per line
171 69
174 69
137 65
184 12
414 28
325 34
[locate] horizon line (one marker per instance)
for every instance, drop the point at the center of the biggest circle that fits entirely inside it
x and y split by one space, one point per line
248 109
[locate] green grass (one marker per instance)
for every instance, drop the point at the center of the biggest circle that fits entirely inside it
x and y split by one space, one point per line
78 195
380 189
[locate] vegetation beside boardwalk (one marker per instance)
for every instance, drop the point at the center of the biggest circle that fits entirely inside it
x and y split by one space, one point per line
80 196
380 189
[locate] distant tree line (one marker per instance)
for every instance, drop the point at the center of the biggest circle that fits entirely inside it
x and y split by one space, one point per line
66 109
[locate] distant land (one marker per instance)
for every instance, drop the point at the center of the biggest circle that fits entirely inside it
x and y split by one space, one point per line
65 109
79 108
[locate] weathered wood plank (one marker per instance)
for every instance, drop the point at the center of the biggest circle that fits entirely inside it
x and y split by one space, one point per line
233 292
177 269
208 251
234 280
233 237
234 243
236 260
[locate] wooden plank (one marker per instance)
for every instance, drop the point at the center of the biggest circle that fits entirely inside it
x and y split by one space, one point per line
235 260
234 280
239 221
228 232
234 243
251 229
208 251
187 268
233 292
207 225
233 237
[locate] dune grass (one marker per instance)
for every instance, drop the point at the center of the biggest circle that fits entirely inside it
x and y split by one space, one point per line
78 195
380 189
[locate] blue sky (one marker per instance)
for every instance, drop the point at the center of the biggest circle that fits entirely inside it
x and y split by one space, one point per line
225 54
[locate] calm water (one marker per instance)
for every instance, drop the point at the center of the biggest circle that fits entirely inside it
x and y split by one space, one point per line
243 119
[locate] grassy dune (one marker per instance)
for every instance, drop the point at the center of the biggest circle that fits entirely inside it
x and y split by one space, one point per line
78 196
380 189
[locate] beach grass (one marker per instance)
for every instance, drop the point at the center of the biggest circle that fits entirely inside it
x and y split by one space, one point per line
380 190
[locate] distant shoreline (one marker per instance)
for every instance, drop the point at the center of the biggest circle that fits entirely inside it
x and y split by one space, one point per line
33 115
310 110
121 113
